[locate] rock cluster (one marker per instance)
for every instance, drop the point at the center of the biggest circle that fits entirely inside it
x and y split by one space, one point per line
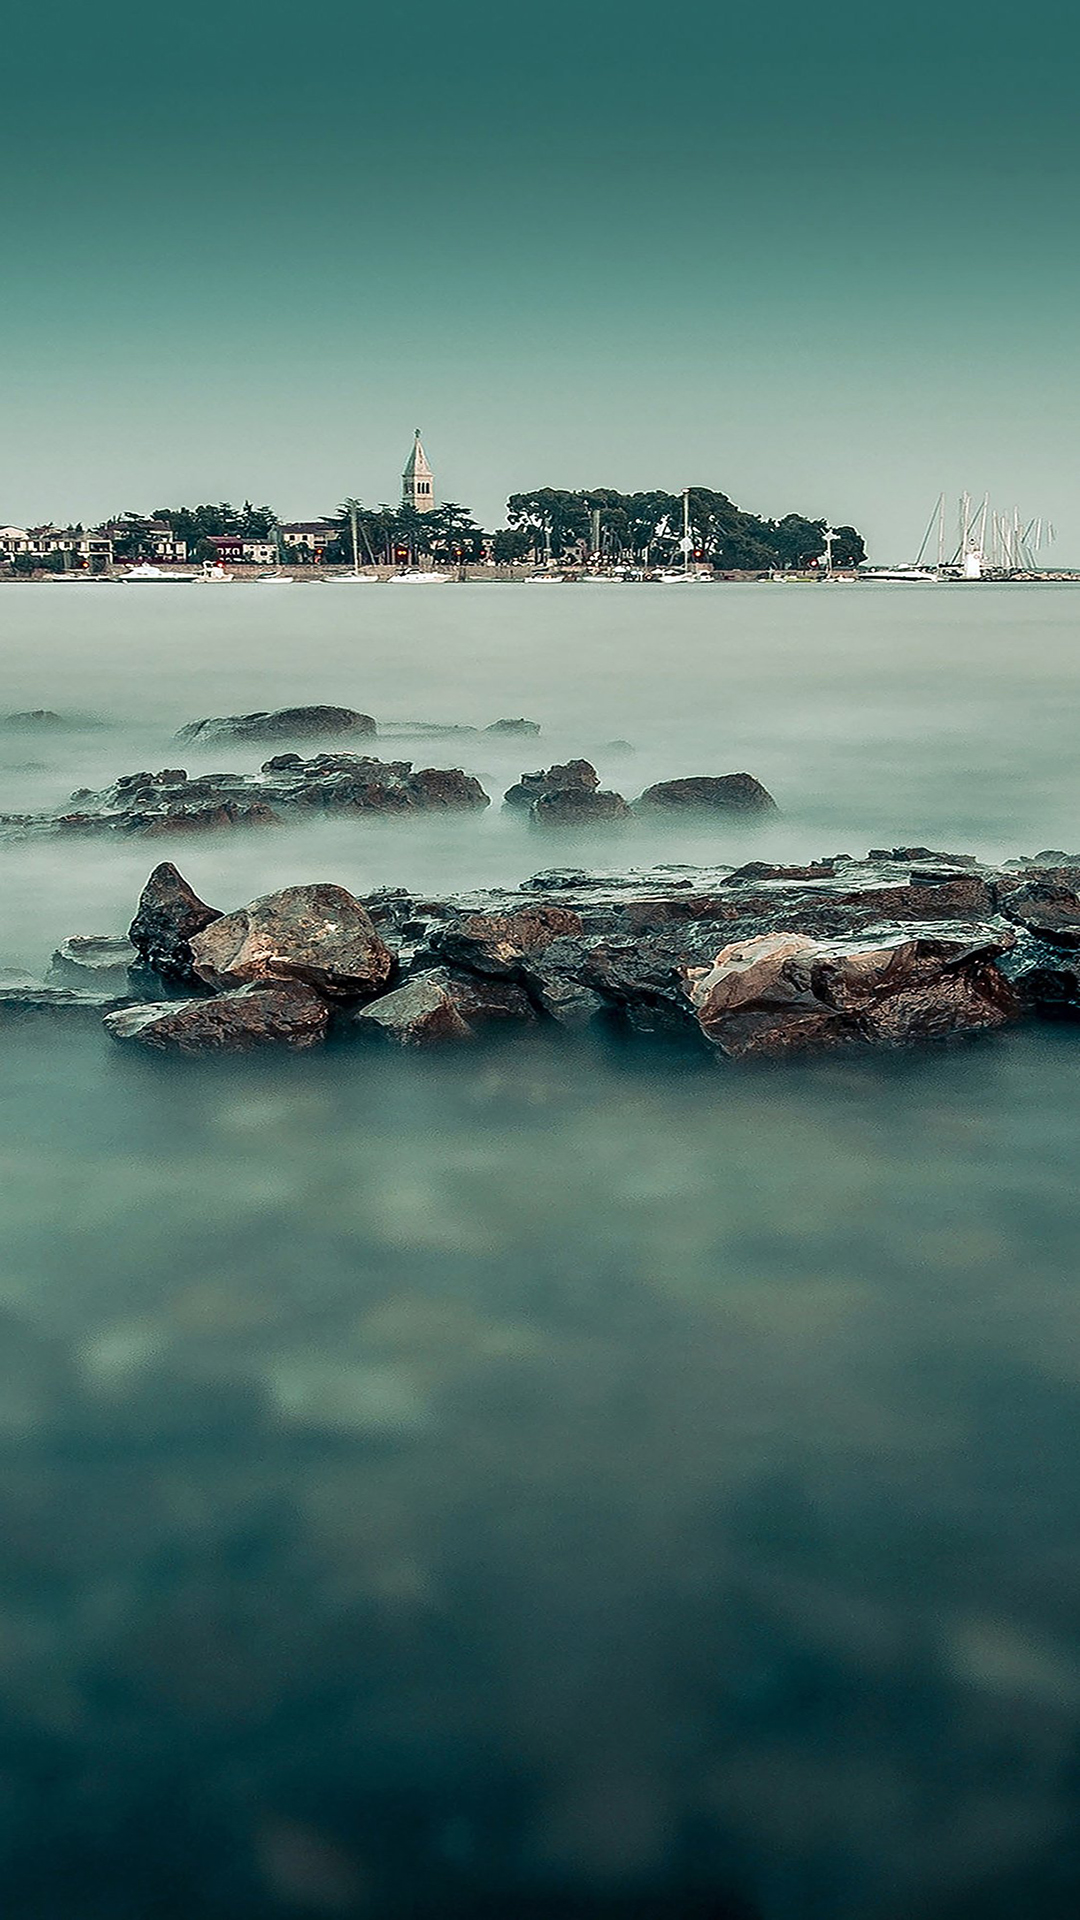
753 962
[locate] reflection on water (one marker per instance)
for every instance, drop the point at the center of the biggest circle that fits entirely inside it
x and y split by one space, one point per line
575 1482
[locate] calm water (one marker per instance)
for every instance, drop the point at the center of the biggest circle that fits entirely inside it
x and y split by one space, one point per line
565 1480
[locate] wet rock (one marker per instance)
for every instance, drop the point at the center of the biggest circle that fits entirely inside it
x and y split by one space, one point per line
577 807
169 916
281 1014
229 813
447 787
554 979
1048 910
779 993
514 726
439 1005
318 934
763 870
288 723
20 1002
906 854
93 960
573 776
732 793
497 943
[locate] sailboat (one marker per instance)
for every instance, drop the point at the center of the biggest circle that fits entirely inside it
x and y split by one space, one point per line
355 578
678 576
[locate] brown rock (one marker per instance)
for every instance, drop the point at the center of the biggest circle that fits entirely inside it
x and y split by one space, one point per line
169 916
577 807
446 787
282 1014
782 992
736 793
497 943
577 774
318 933
438 1005
1050 911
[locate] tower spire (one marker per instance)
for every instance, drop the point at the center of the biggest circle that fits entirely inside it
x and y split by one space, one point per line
418 481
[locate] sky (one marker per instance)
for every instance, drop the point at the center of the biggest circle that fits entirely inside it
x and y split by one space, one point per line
822 259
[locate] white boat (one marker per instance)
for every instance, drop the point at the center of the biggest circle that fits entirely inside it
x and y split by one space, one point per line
924 575
416 577
214 573
274 580
149 574
352 579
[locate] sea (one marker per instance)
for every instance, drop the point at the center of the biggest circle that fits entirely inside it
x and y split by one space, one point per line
574 1478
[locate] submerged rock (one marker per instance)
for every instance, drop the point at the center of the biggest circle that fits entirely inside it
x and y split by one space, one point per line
29 1001
737 793
780 993
514 726
439 1005
282 1013
288 723
169 916
319 934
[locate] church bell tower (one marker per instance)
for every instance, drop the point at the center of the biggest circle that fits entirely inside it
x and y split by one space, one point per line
418 481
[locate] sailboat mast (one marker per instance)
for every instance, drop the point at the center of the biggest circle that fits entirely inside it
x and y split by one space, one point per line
686 540
352 522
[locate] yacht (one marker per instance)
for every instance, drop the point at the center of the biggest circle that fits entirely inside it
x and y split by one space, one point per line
214 573
149 573
416 577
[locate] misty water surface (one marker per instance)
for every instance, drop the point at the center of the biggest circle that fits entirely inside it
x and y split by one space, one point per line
570 1479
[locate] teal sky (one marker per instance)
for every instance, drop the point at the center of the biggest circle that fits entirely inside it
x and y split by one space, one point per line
823 259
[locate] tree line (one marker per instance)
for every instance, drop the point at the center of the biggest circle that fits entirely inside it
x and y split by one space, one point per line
550 523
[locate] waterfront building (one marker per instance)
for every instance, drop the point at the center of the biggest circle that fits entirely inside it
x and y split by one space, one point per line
309 537
418 481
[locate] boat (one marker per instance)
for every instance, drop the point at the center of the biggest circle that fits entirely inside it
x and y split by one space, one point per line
214 573
145 573
352 579
274 580
416 577
927 576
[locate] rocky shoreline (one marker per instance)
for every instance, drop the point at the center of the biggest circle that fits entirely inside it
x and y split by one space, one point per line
903 947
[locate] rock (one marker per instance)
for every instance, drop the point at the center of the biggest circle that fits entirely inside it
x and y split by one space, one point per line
421 730
779 993
207 819
93 960
169 916
577 807
32 1002
318 934
1050 911
38 719
497 943
289 723
439 1005
554 979
447 787
283 1014
575 775
907 854
514 726
734 793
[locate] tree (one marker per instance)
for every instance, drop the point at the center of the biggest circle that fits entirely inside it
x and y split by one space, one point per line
510 544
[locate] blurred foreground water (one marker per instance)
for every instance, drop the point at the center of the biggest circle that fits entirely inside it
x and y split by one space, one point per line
586 1481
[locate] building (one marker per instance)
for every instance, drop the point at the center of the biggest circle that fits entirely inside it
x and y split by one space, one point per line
309 537
78 550
418 481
